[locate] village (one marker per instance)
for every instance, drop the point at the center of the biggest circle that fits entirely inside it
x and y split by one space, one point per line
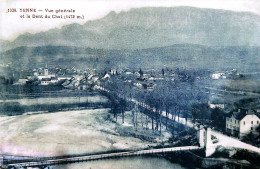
182 93
165 105
131 84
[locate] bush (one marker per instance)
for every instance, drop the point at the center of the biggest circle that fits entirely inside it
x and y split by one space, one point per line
11 108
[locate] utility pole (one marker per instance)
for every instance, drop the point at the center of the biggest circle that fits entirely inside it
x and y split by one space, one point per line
160 121
146 122
152 121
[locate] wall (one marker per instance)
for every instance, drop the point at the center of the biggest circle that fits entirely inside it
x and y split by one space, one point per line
232 124
246 128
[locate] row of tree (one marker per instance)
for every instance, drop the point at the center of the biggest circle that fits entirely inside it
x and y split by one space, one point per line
178 99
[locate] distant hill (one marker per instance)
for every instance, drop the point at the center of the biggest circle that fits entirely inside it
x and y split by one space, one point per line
152 27
4 44
176 56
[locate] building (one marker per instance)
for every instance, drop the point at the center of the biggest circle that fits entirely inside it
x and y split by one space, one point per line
241 122
48 81
22 81
113 72
216 103
149 85
106 76
218 76
45 81
128 73
138 84
46 74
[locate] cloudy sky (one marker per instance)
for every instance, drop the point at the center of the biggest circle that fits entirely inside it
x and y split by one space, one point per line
11 25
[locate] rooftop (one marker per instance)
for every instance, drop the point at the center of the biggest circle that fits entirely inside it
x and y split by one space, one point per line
239 113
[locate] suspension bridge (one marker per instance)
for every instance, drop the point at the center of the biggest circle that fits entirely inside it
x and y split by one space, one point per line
50 162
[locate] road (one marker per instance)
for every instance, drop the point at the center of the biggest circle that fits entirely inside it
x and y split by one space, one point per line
233 92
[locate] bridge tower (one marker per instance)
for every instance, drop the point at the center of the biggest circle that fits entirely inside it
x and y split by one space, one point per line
210 148
201 136
204 138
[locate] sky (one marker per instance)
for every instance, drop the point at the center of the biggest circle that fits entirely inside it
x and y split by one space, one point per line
12 25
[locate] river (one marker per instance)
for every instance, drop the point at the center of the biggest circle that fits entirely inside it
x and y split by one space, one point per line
124 163
75 132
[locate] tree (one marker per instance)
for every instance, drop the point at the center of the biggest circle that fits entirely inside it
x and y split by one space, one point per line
163 72
141 72
258 130
249 138
253 138
218 118
194 112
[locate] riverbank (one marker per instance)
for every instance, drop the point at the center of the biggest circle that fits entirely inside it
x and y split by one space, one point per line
52 102
222 158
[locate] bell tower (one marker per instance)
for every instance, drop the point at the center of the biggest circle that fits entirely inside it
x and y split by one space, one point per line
46 71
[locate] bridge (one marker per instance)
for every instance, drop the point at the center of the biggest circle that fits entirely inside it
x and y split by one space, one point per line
203 136
50 162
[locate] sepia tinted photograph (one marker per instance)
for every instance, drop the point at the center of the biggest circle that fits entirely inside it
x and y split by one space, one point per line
129 84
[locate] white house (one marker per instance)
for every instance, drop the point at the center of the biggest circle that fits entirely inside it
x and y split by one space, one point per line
22 81
216 104
45 81
218 76
241 122
93 78
64 78
138 84
128 73
106 76
48 81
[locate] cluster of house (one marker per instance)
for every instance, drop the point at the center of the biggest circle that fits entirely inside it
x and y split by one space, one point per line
47 78
224 75
241 122
43 78
50 79
144 80
85 80
68 78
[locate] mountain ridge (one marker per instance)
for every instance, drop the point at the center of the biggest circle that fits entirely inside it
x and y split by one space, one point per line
149 27
174 56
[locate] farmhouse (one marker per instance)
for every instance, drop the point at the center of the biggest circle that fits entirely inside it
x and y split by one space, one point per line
218 76
241 122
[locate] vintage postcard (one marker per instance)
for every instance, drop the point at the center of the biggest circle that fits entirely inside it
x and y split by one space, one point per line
130 84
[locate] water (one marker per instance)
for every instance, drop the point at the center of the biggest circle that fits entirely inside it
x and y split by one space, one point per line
72 132
58 100
123 163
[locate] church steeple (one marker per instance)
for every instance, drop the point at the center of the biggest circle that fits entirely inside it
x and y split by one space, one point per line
46 71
